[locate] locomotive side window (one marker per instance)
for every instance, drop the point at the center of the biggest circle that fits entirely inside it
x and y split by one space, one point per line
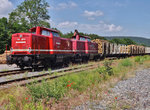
46 33
89 40
55 34
33 32
82 39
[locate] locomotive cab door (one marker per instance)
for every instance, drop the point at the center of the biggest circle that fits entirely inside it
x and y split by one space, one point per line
56 42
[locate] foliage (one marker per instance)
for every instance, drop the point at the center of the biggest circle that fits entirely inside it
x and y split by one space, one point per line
4 34
125 41
30 13
126 62
67 35
138 40
47 90
57 88
107 65
106 70
141 59
92 36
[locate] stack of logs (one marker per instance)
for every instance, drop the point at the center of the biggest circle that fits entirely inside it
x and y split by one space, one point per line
100 44
3 57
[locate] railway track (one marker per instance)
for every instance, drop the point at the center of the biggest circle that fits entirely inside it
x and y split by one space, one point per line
27 78
13 72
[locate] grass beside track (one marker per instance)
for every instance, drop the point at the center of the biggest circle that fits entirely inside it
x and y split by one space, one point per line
71 90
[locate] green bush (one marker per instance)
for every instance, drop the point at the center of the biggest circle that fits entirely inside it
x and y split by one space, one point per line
107 65
140 59
46 90
106 70
126 62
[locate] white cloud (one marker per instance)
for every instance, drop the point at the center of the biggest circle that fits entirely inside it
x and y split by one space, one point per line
118 4
121 4
92 14
65 5
91 18
5 7
67 24
93 28
110 27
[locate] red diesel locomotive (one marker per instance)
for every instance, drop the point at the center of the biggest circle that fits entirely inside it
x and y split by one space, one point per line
45 47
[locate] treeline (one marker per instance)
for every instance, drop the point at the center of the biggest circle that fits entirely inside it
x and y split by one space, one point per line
125 41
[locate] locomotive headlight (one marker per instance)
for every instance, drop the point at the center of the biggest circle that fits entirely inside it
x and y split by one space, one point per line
11 49
30 50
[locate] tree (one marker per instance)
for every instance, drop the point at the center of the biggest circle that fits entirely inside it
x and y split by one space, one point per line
4 34
30 13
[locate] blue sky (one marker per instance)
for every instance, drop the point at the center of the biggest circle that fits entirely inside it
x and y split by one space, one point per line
102 17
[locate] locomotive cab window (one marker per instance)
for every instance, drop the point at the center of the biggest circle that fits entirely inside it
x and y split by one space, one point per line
46 33
55 34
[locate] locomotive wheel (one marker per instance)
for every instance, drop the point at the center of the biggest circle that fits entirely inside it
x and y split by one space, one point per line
66 62
21 67
35 67
85 59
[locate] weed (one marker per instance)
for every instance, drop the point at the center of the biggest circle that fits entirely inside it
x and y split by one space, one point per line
46 90
49 71
126 63
106 70
107 65
25 74
140 59
4 69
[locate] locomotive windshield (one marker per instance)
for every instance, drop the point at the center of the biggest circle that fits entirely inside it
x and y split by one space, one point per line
55 34
45 32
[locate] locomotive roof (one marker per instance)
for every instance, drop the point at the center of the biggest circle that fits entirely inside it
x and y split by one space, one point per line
45 29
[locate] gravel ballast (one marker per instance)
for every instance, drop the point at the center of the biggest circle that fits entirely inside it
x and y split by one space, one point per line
5 67
130 94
